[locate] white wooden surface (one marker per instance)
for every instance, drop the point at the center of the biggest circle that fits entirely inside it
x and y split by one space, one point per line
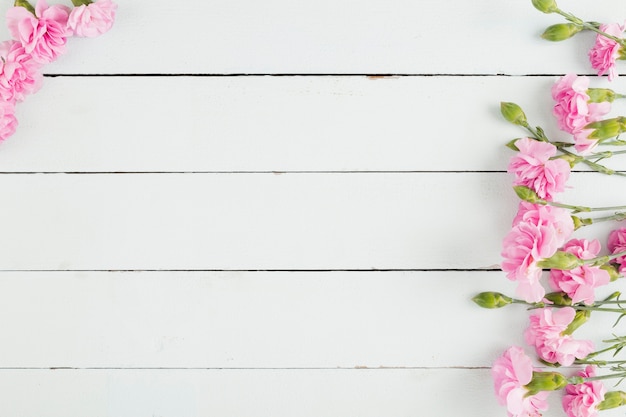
179 238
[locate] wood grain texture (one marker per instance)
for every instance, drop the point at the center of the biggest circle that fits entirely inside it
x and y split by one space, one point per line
228 124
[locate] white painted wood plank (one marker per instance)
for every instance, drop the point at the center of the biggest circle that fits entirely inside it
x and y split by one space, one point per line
259 320
277 124
252 320
327 36
265 221
272 393
257 393
252 221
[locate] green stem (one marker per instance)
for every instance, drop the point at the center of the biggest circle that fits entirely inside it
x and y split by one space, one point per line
579 209
619 216
589 26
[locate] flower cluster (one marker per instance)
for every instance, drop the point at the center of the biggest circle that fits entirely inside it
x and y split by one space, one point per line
39 35
609 45
557 273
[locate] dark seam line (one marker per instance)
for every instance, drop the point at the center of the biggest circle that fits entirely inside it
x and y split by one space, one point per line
296 74
264 270
338 368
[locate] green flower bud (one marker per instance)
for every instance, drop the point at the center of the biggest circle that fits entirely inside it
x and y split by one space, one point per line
561 31
492 299
613 271
599 95
560 260
580 222
513 113
580 318
612 399
605 129
559 298
545 381
526 194
545 6
25 4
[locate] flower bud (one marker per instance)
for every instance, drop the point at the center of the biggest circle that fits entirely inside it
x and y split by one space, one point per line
513 113
545 6
580 222
599 95
561 31
558 298
605 129
561 260
580 318
526 194
492 299
545 381
612 399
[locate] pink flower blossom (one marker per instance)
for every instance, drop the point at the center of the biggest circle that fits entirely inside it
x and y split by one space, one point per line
572 109
545 333
93 19
606 51
19 74
43 35
580 283
617 244
511 372
534 169
582 143
8 122
538 231
581 400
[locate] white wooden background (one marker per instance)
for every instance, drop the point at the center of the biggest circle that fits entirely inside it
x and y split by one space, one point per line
217 210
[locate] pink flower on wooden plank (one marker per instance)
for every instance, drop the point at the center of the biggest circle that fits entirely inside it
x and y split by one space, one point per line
616 244
580 283
511 372
572 109
19 73
538 231
534 169
42 35
93 19
582 400
545 333
606 51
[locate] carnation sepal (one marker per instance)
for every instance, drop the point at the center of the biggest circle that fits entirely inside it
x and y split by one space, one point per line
78 3
558 298
526 194
561 31
580 318
511 145
561 260
613 270
25 4
600 95
545 381
612 399
581 222
608 128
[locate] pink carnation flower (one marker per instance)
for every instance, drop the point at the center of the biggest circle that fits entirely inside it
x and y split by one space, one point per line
580 283
93 19
538 231
44 35
581 400
545 333
617 244
572 109
19 73
606 51
534 169
8 122
511 372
